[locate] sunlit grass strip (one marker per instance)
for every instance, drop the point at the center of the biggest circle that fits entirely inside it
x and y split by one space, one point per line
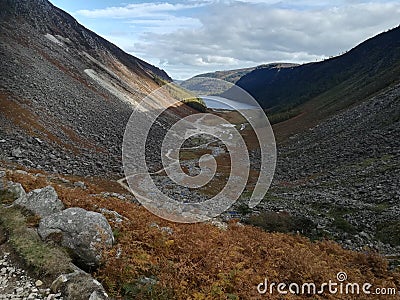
41 258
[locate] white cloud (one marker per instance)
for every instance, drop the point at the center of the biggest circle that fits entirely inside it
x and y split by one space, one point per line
243 33
227 34
140 10
165 24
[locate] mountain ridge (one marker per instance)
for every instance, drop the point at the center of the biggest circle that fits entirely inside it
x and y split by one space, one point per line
233 75
205 85
32 10
294 86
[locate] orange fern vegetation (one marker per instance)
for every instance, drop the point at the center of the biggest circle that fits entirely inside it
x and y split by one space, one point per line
201 261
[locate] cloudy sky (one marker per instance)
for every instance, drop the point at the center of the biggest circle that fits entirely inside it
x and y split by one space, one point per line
189 37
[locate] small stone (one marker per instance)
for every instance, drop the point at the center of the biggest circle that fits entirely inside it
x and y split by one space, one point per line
80 184
22 172
39 283
17 152
167 230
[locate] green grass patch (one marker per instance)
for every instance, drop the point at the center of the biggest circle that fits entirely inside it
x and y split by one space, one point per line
187 97
138 290
282 116
270 197
7 197
243 209
337 214
370 161
342 224
381 207
339 221
43 259
389 233
281 222
196 103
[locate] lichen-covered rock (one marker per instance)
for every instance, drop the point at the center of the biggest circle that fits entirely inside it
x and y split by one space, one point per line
42 202
85 233
79 286
18 191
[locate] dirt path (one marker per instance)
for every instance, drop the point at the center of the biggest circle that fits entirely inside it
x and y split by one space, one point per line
15 282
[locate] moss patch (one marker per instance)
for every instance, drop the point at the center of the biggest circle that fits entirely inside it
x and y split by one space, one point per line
41 258
389 233
7 197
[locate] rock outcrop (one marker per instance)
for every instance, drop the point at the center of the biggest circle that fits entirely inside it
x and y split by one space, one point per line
79 286
43 202
18 191
85 233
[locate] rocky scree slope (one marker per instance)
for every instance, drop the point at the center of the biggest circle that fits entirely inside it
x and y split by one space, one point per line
65 93
344 176
338 159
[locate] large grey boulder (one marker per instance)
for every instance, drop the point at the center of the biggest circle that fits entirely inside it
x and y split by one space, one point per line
85 233
79 286
42 202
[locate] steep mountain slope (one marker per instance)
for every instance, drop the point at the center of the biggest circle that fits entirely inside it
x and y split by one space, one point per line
65 92
344 174
338 159
46 18
339 82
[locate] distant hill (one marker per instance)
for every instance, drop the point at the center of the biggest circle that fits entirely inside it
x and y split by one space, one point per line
235 74
202 85
228 75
